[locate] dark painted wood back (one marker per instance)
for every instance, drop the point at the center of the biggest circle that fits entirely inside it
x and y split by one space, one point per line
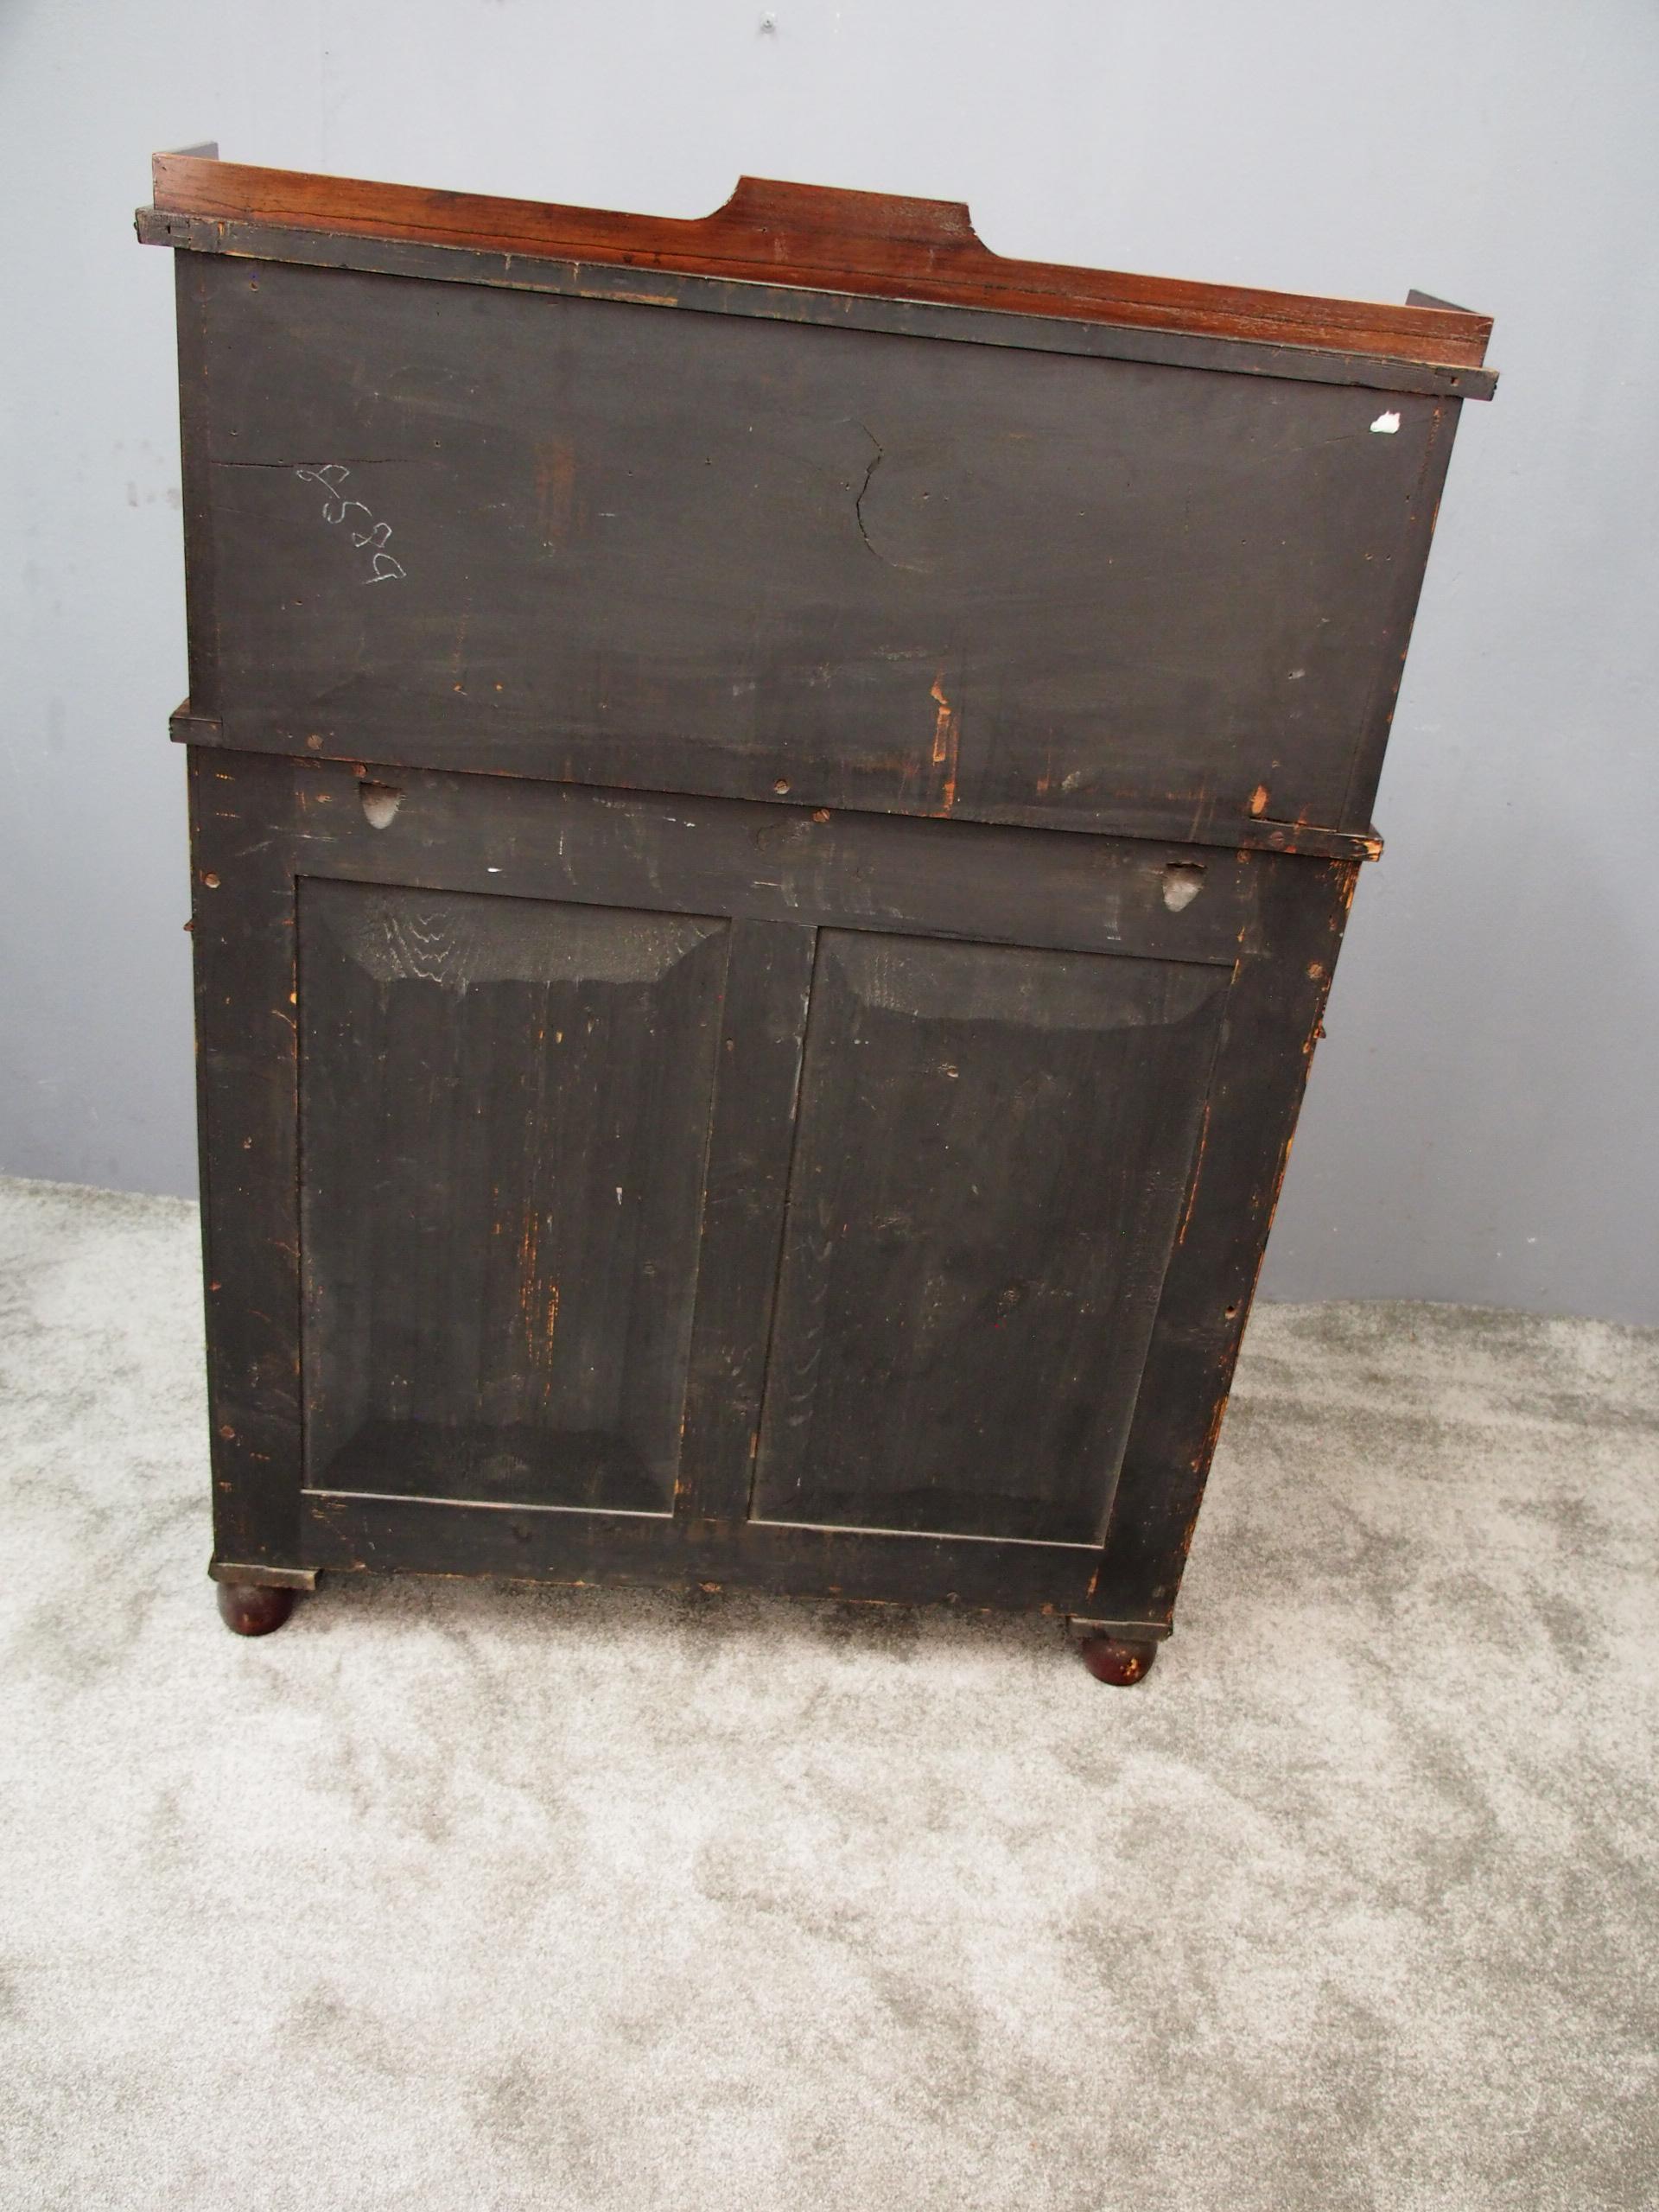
753 552
666 1114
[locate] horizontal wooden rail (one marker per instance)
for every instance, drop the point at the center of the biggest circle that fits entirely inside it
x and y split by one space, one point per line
822 239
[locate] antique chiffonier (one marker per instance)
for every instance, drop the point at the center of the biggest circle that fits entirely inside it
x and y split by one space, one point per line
773 800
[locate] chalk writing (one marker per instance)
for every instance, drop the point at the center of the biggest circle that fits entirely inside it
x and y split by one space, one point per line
384 569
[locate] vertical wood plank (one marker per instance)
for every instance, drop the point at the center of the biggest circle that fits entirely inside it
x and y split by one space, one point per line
1422 510
769 981
1271 1025
243 831
193 279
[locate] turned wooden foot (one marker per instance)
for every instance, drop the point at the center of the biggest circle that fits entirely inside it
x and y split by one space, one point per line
250 1610
1110 1660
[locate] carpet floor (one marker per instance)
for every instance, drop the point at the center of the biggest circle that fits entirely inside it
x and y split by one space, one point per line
452 1896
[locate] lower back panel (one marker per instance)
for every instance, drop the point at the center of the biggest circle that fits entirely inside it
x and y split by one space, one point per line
504 1115
994 1148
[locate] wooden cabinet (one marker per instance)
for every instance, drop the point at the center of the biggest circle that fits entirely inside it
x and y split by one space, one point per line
773 805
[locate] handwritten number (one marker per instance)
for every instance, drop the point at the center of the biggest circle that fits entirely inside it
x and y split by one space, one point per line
331 475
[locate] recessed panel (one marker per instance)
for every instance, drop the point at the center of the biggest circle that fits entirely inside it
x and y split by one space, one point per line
994 1150
505 1107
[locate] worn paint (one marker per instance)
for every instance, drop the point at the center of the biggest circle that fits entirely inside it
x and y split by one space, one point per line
539 1303
926 882
947 729
555 481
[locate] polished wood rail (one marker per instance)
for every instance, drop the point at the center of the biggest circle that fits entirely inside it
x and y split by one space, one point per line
818 238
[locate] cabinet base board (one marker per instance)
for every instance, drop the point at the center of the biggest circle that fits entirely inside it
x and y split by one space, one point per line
260 1577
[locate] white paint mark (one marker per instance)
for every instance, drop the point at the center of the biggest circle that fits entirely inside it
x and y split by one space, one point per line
382 569
1387 423
1297 674
1183 880
380 804
619 1194
488 870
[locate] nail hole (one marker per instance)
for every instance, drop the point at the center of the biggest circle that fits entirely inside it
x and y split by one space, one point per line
1183 880
781 785
380 803
211 880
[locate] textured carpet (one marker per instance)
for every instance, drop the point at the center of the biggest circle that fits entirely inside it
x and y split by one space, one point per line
452 1897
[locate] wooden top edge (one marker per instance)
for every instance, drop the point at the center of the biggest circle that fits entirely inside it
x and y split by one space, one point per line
823 239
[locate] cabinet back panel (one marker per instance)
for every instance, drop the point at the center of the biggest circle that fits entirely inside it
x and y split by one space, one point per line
504 1116
465 527
994 1149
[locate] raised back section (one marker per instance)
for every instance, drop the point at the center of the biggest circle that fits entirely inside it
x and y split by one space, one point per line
888 523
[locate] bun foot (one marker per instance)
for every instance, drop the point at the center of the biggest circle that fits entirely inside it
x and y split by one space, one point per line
1110 1660
249 1608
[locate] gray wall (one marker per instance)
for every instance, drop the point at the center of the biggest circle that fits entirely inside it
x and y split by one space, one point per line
1479 1122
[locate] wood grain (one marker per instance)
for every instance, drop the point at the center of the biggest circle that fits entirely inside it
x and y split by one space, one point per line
504 1106
857 242
699 553
977 1353
993 1152
671 1110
